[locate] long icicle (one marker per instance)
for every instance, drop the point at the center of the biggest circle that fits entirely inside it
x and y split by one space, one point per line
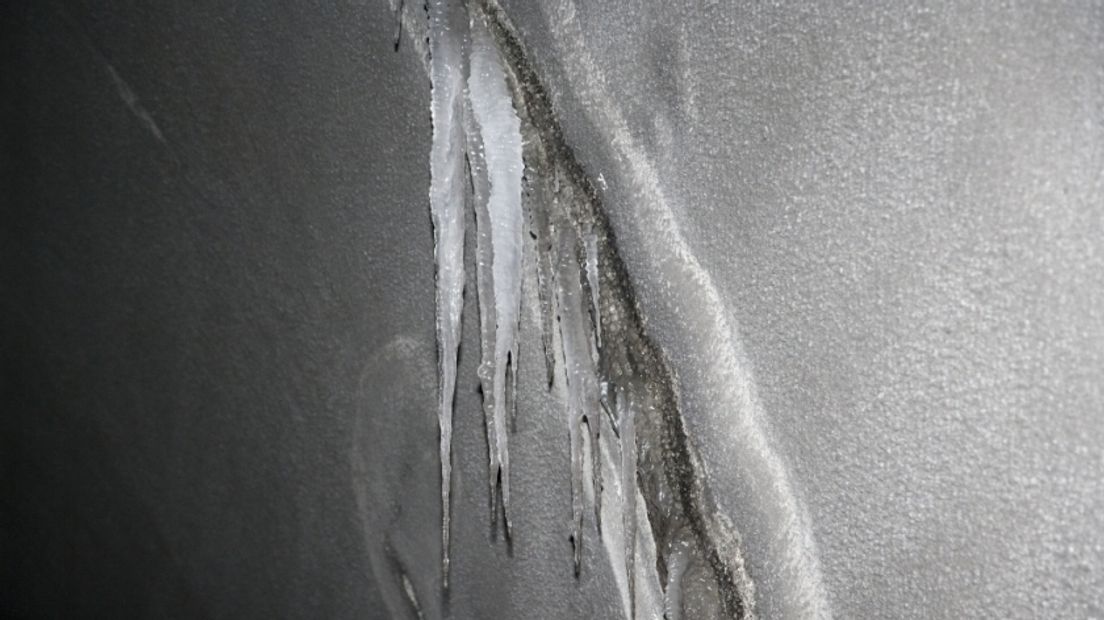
484 258
626 421
590 242
580 374
677 560
500 127
446 202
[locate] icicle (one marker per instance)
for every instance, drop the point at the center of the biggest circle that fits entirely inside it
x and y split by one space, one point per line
676 567
581 379
564 277
398 23
594 422
513 384
500 129
446 202
626 422
590 242
412 597
477 164
545 281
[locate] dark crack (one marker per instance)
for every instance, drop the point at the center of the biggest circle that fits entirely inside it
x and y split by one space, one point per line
559 192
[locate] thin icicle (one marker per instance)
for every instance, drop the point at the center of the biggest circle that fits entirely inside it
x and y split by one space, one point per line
676 567
492 105
626 422
513 382
446 202
590 269
590 242
581 380
569 348
545 279
412 596
594 424
477 165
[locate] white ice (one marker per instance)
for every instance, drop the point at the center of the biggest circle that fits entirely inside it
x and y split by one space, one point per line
677 561
581 381
484 259
627 535
500 129
591 245
478 119
446 202
626 421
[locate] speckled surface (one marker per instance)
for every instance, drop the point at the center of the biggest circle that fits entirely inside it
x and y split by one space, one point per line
217 290
902 208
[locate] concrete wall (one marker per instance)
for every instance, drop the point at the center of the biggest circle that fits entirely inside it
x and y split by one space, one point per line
217 290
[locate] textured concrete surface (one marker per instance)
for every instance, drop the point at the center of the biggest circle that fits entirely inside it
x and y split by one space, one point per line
902 208
218 304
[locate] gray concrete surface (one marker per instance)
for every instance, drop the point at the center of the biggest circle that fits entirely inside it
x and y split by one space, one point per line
903 209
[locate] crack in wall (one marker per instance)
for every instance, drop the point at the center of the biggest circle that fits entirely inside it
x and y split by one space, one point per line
561 195
613 375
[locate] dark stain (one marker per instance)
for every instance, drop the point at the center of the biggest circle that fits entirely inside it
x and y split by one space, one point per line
628 355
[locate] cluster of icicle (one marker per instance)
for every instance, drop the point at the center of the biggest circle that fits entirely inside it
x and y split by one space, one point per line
474 120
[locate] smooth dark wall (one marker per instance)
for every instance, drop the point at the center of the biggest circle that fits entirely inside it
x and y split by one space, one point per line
198 207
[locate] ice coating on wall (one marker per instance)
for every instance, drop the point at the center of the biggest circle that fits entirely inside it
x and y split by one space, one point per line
446 203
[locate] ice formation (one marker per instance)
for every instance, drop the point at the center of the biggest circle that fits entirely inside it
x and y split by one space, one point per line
500 131
475 121
590 242
580 377
484 261
626 424
545 279
609 374
677 560
446 203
